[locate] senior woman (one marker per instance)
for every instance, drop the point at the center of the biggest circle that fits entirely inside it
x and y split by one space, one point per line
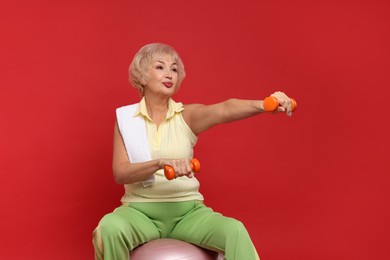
156 132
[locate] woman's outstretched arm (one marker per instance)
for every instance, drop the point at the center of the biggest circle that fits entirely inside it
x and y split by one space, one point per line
202 117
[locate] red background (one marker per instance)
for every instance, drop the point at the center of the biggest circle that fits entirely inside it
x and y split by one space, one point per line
313 186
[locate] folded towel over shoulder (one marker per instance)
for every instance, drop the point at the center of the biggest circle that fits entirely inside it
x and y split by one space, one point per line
133 131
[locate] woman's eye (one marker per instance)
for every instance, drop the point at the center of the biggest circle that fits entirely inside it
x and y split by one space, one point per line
159 67
174 69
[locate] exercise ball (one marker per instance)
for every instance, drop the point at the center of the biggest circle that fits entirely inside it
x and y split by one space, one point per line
172 249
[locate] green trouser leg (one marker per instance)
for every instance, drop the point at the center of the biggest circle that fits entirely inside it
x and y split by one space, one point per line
123 230
209 229
191 221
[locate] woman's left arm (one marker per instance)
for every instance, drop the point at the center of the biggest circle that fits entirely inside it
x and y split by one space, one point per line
202 117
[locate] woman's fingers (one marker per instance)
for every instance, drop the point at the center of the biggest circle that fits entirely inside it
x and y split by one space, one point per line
285 103
182 167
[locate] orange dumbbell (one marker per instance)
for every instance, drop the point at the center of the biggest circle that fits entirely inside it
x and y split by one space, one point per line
271 104
170 172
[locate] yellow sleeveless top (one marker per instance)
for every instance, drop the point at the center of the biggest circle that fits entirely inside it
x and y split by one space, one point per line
172 139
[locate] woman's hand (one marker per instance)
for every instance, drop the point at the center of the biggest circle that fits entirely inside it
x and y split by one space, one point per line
182 167
285 103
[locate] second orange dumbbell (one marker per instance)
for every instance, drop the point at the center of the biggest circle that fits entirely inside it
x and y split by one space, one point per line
271 104
169 172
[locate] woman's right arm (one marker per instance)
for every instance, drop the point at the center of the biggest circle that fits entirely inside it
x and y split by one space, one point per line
123 170
126 172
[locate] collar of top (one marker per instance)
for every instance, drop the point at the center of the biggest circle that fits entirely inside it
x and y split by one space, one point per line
173 108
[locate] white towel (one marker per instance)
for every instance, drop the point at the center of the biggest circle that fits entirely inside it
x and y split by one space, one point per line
133 131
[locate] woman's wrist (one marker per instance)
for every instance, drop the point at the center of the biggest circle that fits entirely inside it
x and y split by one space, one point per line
262 105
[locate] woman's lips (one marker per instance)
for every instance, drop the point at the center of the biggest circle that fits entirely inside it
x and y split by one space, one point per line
168 84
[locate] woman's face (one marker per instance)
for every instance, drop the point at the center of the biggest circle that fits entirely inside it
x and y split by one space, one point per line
162 72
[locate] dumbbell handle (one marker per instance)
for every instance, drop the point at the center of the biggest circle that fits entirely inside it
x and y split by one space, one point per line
170 172
271 104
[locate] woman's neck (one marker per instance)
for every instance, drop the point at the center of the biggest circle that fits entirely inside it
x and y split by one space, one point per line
157 108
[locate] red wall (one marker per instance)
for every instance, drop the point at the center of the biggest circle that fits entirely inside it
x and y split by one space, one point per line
313 186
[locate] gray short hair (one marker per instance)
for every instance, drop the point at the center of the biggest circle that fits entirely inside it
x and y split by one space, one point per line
138 67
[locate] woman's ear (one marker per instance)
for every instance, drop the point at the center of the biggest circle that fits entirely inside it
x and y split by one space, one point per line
143 80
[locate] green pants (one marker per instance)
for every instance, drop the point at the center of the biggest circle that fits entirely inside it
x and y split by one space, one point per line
137 223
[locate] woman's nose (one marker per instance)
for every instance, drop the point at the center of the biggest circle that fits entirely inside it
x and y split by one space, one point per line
169 74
